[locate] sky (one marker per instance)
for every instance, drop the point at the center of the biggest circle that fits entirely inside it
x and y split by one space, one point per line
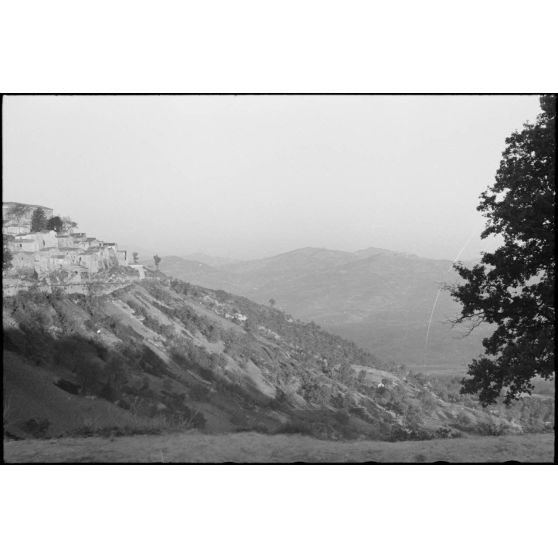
253 176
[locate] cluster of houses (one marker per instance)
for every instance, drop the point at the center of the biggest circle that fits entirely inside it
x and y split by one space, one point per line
47 251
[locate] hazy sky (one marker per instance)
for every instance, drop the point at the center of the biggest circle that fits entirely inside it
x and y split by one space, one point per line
254 176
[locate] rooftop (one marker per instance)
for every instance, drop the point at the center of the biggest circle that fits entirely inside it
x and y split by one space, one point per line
26 204
31 236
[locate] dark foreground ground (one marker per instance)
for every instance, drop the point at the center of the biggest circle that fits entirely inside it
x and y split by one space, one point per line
250 447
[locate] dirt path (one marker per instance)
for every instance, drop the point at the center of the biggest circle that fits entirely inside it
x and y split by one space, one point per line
248 447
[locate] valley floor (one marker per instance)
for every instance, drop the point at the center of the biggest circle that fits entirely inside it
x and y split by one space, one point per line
251 447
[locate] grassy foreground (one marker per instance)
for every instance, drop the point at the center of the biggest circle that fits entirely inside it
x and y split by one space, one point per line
251 447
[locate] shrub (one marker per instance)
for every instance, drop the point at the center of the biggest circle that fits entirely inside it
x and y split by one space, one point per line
338 401
151 363
427 400
463 420
90 374
37 427
186 420
342 417
490 429
296 426
199 393
413 418
446 432
278 401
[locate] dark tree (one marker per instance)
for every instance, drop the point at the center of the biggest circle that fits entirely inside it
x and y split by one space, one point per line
6 254
38 220
272 302
157 261
55 224
513 287
135 257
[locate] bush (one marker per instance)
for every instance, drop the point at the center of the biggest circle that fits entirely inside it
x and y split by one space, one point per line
427 400
37 427
413 418
342 417
199 393
297 426
490 429
464 421
446 432
186 420
90 374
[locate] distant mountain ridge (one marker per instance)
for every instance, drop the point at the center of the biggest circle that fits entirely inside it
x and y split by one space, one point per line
378 298
214 261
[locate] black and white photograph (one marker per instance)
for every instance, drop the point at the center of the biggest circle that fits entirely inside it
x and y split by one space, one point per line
278 278
267 278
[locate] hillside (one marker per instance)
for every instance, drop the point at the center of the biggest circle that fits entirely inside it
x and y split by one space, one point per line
379 299
160 354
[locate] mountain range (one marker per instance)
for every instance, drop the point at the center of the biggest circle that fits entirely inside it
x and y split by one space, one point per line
380 299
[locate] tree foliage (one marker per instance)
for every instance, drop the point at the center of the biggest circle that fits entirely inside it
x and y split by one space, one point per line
513 287
157 260
55 224
39 220
68 225
17 213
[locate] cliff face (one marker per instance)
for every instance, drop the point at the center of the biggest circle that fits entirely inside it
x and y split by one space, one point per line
158 354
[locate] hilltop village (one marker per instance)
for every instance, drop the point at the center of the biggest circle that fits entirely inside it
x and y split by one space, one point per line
42 244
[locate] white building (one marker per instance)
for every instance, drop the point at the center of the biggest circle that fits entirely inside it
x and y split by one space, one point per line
33 242
48 251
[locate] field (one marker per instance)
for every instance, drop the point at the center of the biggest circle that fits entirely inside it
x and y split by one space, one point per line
250 447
